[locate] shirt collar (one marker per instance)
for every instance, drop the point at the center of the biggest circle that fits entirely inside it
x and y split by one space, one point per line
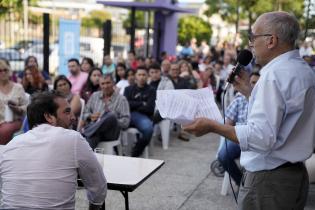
112 98
284 56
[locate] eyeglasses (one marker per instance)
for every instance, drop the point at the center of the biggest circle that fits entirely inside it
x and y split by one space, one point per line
252 37
4 70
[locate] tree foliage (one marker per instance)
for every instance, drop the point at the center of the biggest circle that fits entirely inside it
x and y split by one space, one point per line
13 6
193 27
96 19
251 9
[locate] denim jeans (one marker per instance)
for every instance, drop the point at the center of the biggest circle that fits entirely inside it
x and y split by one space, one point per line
226 158
145 125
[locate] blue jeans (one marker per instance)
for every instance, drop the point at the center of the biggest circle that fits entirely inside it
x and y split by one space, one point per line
226 158
145 125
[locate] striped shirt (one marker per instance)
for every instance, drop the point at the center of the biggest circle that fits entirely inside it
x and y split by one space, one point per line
117 104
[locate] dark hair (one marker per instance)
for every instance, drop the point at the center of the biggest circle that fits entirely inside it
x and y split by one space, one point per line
142 68
74 60
109 75
155 66
130 70
89 85
254 74
89 60
122 66
41 104
59 78
27 60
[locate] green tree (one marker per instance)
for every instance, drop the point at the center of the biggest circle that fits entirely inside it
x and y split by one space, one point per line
192 26
13 6
251 9
96 19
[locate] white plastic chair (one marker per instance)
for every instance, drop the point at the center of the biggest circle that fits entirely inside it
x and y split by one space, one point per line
82 102
108 146
130 135
163 127
226 181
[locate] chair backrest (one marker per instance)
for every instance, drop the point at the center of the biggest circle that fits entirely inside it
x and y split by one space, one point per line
82 102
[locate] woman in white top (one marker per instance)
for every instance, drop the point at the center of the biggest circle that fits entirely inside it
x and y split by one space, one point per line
121 78
13 102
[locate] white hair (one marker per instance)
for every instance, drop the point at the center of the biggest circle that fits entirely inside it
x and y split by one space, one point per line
283 24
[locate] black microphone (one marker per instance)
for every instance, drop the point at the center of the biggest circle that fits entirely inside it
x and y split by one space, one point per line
243 59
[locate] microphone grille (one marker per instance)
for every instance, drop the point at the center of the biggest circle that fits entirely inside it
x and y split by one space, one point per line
244 57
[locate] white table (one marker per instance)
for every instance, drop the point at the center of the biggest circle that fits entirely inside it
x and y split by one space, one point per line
125 174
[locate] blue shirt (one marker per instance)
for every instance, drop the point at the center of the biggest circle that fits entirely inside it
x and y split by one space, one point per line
237 110
281 115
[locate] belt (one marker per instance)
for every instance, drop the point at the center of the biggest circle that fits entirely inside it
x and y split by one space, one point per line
289 164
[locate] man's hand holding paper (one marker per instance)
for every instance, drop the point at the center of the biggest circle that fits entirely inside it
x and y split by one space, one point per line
184 106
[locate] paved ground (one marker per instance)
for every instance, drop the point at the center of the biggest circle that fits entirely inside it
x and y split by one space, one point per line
183 183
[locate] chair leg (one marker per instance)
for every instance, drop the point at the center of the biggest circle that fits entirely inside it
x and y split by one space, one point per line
165 133
225 184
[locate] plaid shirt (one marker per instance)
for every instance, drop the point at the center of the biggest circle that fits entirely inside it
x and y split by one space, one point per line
237 110
117 104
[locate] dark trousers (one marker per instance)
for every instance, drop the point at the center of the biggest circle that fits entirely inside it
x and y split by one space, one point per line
107 130
281 188
144 124
226 156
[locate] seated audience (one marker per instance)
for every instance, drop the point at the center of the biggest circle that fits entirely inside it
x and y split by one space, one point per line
108 66
12 98
121 78
32 61
92 84
63 86
141 98
158 82
179 82
39 169
87 64
236 113
188 73
33 81
76 77
131 77
105 114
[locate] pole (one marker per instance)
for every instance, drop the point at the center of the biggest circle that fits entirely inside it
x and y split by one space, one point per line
307 18
133 29
46 43
25 17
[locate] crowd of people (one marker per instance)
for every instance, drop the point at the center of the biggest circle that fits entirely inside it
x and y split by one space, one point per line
120 95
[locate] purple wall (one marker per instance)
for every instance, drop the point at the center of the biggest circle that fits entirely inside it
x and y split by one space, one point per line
167 23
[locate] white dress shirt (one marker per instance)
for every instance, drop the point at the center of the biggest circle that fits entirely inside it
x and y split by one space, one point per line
281 115
39 169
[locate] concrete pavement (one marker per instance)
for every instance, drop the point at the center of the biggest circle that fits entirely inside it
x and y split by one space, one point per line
185 182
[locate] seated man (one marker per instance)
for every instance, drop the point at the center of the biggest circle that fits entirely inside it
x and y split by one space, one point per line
39 169
236 113
141 98
158 82
106 113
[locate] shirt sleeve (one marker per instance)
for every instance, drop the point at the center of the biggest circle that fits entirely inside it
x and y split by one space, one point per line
91 172
260 133
123 113
88 107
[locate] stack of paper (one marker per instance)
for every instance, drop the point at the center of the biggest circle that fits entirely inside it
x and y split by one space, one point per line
183 106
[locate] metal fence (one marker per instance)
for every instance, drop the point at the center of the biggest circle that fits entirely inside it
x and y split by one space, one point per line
20 39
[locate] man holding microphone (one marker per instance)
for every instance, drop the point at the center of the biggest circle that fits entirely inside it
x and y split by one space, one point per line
280 131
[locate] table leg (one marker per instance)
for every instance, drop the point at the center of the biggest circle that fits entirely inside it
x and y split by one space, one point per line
125 194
